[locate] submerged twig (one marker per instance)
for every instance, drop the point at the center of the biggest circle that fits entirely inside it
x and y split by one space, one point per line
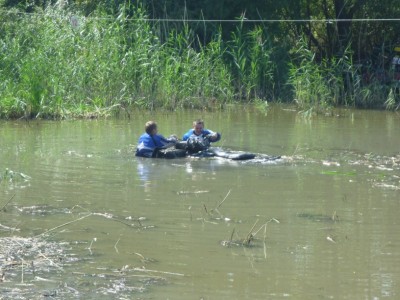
140 255
265 225
155 271
22 271
265 245
62 225
90 246
191 192
115 246
205 208
231 239
250 235
51 261
233 231
109 216
335 216
4 206
218 206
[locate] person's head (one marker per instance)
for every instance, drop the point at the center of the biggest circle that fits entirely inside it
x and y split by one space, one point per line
198 126
150 127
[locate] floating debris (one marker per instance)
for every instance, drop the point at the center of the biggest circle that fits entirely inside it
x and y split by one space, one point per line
319 217
12 175
191 192
31 255
330 239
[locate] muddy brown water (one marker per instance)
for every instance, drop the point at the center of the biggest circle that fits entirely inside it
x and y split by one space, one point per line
322 222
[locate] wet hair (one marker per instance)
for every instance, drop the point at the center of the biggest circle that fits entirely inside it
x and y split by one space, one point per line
198 121
150 126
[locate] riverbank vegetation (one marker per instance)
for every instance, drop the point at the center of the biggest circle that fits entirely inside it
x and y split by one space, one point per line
92 59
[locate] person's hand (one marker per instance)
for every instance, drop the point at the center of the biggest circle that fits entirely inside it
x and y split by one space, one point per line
173 138
213 136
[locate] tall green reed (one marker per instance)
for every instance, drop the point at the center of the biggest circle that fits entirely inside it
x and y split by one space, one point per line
249 54
58 64
320 85
194 78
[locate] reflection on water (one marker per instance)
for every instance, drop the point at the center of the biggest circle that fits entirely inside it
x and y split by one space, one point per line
321 222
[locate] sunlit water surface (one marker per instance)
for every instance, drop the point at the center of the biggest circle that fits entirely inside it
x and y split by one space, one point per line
322 222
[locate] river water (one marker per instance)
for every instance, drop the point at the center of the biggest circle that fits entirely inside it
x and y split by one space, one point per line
321 222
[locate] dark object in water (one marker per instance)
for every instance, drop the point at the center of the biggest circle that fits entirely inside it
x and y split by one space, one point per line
319 217
195 144
232 155
168 153
199 148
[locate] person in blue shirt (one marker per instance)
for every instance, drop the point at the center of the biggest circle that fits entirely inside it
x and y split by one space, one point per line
198 138
199 131
151 143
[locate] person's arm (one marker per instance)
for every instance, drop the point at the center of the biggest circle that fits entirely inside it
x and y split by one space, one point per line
213 136
145 146
187 135
166 143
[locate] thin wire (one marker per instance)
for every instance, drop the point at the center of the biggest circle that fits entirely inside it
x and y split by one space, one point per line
271 21
236 20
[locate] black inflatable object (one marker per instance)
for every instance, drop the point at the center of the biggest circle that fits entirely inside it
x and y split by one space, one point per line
232 155
169 153
181 145
218 152
196 144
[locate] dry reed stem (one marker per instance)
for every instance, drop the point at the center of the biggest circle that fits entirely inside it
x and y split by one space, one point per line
265 245
115 246
250 235
218 206
62 225
233 232
265 225
156 271
51 261
107 216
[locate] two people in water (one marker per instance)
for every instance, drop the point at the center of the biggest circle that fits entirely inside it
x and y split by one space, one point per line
196 139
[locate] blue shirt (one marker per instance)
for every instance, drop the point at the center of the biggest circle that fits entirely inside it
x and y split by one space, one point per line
148 143
204 132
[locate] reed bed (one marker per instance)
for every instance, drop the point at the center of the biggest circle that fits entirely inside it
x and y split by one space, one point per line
58 63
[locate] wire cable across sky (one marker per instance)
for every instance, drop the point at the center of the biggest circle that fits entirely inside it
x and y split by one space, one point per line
239 20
